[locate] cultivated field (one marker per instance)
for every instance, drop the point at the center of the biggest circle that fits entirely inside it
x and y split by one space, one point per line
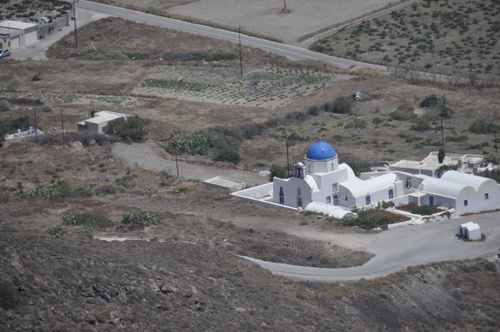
450 37
268 87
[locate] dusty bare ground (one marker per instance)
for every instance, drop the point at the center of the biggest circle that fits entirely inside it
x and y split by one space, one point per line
270 19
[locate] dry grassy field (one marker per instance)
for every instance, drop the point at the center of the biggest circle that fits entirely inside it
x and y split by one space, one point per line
69 74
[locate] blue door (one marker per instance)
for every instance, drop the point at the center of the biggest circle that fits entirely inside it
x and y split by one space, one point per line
336 200
431 200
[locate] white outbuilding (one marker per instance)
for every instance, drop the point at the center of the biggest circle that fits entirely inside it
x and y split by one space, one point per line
15 34
469 230
99 121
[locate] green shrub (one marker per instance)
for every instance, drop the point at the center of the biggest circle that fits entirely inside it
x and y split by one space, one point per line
404 112
4 106
423 210
421 124
483 126
58 230
9 296
359 123
126 181
341 105
432 101
278 171
444 111
492 158
373 218
130 129
228 156
140 217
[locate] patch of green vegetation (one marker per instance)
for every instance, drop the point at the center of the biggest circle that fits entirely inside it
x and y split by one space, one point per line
404 112
61 189
424 210
373 218
126 181
140 217
58 231
89 221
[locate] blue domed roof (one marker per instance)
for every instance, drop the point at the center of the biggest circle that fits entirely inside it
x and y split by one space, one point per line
321 151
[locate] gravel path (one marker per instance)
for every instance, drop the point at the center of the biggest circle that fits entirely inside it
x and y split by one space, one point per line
144 156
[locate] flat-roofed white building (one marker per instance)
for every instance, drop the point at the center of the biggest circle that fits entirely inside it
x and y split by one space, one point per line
98 123
15 34
429 165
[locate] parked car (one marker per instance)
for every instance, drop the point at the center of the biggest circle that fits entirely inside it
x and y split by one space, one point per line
4 52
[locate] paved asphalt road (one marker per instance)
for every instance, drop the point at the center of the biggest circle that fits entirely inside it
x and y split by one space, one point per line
399 248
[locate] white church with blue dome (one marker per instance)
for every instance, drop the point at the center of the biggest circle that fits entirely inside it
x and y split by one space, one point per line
322 180
321 184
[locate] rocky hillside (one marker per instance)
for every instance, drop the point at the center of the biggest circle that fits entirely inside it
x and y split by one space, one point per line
80 284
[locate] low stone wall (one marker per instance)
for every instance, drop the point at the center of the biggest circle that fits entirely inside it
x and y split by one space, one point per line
46 29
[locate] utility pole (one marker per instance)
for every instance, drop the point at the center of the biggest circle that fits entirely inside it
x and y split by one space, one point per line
442 133
74 19
496 143
176 163
36 127
241 58
62 128
287 158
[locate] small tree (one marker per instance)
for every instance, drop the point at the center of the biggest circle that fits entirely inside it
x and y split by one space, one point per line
441 155
432 101
492 158
341 105
231 156
444 111
132 129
